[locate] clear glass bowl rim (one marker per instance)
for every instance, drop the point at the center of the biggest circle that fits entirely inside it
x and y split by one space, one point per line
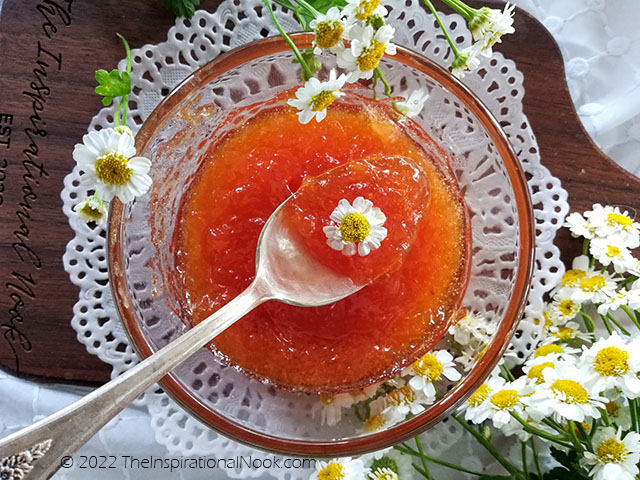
403 431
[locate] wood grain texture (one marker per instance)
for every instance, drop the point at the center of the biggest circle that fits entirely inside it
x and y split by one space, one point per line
71 39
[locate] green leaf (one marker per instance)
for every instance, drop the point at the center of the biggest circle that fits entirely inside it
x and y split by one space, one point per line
182 8
112 84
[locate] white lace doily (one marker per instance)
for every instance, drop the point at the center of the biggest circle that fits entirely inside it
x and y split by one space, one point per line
192 43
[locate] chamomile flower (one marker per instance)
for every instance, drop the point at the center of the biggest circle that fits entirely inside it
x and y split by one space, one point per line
488 25
533 370
413 104
571 278
471 328
430 368
363 9
613 456
92 210
608 251
367 48
465 60
504 398
617 407
563 310
621 298
315 97
565 334
595 287
551 353
331 407
339 469
633 266
389 464
386 418
612 363
405 401
329 29
356 228
611 222
563 395
579 226
110 167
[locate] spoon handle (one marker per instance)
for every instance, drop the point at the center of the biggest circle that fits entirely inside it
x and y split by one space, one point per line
51 441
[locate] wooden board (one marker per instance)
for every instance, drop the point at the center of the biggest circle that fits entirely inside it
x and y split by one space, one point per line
49 50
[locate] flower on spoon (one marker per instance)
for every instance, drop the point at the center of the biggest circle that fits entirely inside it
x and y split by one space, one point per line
356 228
110 167
313 99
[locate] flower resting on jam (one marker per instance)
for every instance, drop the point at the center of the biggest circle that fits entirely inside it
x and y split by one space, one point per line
358 227
313 99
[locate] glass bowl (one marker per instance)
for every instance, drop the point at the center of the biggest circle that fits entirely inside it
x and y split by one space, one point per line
140 254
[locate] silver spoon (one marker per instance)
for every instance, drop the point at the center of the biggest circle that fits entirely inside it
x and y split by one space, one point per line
284 272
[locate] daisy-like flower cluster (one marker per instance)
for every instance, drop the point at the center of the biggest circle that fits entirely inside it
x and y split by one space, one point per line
359 37
110 168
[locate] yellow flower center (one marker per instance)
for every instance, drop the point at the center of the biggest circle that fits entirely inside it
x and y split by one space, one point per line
565 333
383 474
568 307
618 219
354 227
322 100
370 57
93 213
326 399
112 169
612 451
573 277
480 395
400 396
505 399
547 321
328 34
535 373
366 9
572 390
428 367
375 423
613 251
545 350
333 471
613 409
611 362
592 284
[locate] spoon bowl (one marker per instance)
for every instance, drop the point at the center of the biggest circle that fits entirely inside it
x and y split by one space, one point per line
284 271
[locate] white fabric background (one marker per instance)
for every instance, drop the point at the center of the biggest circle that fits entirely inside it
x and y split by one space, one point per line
600 43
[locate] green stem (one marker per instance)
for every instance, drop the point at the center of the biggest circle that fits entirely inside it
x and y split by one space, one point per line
628 280
605 417
444 30
523 451
309 8
605 322
574 437
536 460
633 317
585 246
633 409
408 450
462 8
585 435
617 324
489 447
588 321
120 115
387 88
423 460
507 372
296 52
539 432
